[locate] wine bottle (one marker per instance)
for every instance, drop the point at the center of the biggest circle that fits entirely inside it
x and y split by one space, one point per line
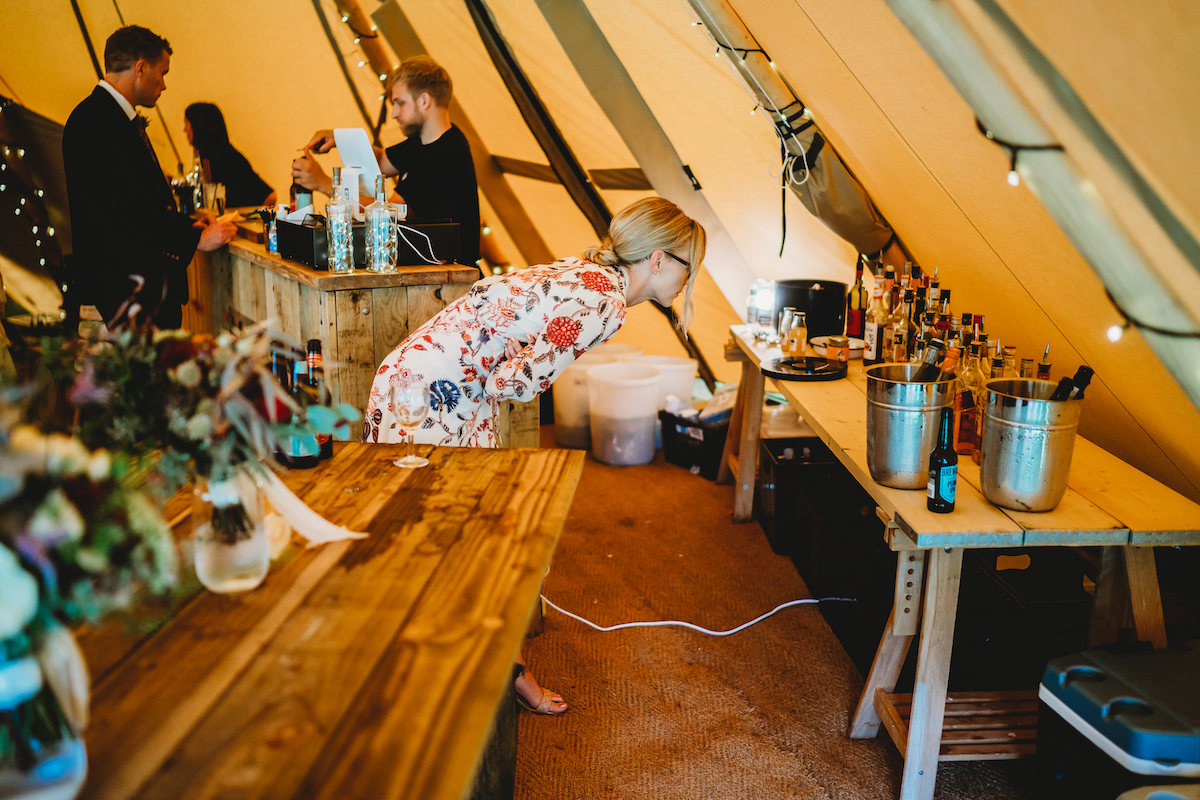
856 305
1083 376
943 468
1026 369
1063 390
889 287
300 452
932 355
902 324
873 331
316 381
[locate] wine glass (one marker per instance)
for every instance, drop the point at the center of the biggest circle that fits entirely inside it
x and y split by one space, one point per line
410 406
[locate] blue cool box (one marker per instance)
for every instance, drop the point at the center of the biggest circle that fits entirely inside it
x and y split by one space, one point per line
1141 708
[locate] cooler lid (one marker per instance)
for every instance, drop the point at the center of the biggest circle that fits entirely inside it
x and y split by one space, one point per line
1147 703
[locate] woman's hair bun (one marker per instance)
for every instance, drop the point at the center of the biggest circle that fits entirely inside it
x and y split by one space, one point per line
602 255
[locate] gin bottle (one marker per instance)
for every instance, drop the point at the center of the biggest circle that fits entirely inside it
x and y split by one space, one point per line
381 232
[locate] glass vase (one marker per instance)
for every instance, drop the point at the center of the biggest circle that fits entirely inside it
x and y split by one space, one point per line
41 757
230 540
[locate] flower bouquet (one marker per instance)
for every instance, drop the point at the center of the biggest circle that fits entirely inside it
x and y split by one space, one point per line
77 541
209 411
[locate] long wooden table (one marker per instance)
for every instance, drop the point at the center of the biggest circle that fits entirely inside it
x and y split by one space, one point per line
1108 503
368 668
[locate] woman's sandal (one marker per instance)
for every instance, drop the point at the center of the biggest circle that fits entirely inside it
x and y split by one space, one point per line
548 701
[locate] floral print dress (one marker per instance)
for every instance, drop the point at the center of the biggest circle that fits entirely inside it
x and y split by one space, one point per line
558 310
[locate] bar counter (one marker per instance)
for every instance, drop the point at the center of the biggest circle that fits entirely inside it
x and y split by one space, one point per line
359 317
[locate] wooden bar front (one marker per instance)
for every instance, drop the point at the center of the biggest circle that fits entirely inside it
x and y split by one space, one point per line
359 317
367 668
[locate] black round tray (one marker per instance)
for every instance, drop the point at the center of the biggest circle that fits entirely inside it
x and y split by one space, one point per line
808 368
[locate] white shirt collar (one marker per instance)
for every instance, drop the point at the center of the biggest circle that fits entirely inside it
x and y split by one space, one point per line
120 98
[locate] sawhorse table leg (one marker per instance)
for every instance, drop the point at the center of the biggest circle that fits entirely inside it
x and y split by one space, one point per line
893 647
1127 592
933 673
739 460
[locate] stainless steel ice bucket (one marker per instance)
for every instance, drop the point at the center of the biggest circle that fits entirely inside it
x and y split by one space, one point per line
1027 444
902 424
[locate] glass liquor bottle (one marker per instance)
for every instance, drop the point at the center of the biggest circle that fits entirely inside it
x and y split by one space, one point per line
1043 370
968 385
382 218
339 227
902 324
856 305
875 330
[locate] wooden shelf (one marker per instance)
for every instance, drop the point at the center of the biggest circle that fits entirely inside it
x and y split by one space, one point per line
978 726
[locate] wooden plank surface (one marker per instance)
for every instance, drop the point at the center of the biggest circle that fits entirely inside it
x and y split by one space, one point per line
355 366
1108 502
260 693
1154 513
326 281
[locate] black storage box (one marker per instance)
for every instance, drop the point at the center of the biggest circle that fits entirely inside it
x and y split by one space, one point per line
691 443
308 242
1111 721
782 507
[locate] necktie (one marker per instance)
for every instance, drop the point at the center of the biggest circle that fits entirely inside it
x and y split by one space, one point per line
140 123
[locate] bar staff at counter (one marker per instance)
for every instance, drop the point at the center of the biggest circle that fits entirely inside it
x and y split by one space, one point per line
436 177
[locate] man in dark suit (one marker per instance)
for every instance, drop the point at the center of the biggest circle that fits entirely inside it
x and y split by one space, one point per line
123 214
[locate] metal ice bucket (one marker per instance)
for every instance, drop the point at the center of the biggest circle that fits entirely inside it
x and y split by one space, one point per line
1027 444
902 424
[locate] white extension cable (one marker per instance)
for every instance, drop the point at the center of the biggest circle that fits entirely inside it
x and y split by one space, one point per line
678 624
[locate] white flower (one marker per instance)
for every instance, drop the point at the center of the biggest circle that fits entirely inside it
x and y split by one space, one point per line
26 439
56 518
198 427
18 595
188 374
65 455
99 466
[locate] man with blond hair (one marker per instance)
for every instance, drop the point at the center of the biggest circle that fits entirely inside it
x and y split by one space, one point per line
436 177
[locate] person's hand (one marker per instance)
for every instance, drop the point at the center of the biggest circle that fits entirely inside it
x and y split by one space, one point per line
322 142
307 172
216 234
204 219
513 348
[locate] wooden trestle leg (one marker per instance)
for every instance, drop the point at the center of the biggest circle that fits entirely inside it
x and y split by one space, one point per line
933 672
893 646
1127 595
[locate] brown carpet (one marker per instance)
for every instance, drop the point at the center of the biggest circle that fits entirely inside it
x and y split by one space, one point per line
671 713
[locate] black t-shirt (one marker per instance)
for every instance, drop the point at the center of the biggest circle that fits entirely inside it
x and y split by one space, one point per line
437 181
243 187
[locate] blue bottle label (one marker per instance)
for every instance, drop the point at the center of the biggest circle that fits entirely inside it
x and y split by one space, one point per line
949 483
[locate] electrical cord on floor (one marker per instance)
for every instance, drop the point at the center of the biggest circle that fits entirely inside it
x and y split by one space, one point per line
678 624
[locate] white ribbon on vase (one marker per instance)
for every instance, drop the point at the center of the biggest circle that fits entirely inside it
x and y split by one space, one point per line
306 522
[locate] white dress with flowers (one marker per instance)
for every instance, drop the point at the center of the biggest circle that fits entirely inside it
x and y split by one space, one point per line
558 310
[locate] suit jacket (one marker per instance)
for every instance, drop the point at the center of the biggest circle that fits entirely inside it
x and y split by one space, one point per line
123 215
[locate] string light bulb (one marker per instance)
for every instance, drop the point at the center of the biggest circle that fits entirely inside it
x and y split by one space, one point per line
486 230
50 231
345 17
357 39
1115 333
374 28
382 77
1013 178
21 152
35 229
362 63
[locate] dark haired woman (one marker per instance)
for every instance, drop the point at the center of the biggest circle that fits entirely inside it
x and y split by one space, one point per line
204 127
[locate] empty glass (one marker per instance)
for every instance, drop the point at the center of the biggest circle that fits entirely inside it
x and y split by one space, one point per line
410 406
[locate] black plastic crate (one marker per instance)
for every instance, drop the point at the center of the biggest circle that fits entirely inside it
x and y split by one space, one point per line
690 443
780 503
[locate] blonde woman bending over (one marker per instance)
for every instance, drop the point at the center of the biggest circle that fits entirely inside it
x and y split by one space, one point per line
511 336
